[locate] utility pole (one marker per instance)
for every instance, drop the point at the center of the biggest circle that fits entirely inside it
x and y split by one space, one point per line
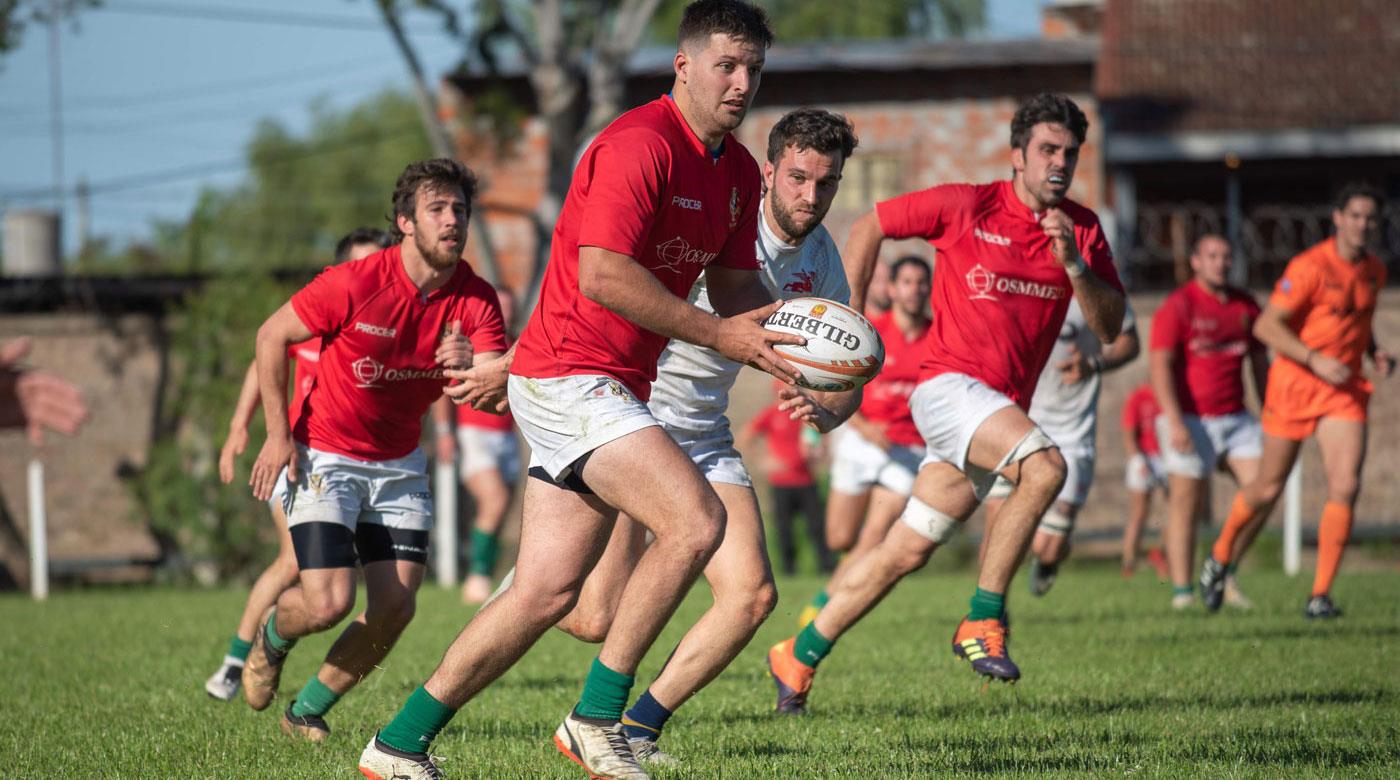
56 104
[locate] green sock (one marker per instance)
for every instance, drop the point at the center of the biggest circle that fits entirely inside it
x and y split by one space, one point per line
1231 567
811 647
1181 590
237 648
273 638
314 699
484 551
605 693
820 599
987 605
417 724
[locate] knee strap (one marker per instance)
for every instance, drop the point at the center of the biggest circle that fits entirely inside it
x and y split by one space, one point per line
928 522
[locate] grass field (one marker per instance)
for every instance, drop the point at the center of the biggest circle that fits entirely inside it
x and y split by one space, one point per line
108 683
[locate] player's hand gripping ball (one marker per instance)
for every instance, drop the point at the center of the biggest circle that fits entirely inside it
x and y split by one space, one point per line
843 349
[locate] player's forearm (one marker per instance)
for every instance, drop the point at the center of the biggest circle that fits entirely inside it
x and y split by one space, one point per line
1121 352
861 254
1160 372
839 407
619 284
735 292
248 397
272 379
1275 334
1259 366
442 414
1103 305
1130 446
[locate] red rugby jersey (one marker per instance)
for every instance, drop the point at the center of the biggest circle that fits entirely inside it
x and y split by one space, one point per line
378 373
649 189
1140 413
999 296
1211 339
886 400
784 439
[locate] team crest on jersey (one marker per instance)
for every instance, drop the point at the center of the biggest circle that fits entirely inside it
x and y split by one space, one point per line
980 282
315 481
368 371
733 206
805 282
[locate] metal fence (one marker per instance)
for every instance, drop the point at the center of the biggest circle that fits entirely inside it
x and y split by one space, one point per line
1265 237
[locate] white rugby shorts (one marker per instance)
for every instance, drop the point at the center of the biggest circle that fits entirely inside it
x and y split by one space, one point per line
948 409
564 418
483 449
858 465
1144 472
333 488
1215 438
713 453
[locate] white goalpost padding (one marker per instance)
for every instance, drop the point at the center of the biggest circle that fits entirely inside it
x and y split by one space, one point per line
445 524
1293 520
38 534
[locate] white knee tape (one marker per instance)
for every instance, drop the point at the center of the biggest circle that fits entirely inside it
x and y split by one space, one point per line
928 522
1034 441
1056 523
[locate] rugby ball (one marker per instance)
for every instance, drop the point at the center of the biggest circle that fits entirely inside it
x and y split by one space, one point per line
843 350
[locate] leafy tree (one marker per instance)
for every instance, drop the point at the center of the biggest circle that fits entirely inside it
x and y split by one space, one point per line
796 21
15 15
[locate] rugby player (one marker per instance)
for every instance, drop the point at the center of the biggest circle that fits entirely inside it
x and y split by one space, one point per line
876 454
1142 474
1201 337
1010 256
1318 322
489 469
662 194
282 572
1066 407
357 482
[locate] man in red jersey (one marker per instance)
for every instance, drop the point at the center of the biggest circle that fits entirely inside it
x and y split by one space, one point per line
1319 323
489 470
1010 255
661 195
1200 339
1142 474
282 572
877 453
357 480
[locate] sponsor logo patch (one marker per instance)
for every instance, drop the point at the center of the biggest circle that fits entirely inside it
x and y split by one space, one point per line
678 252
691 204
376 330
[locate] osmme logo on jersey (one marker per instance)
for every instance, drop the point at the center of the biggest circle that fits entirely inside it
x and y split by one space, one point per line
370 372
677 252
983 282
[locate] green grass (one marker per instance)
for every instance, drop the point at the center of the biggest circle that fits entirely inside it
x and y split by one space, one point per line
108 683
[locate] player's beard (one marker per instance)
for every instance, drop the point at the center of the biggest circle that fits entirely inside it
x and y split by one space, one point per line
438 256
787 220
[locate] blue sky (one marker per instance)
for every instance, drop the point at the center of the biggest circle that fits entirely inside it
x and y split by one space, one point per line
151 87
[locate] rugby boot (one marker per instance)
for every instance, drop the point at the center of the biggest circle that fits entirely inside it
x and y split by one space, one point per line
224 684
1213 574
599 747
382 762
1321 608
312 728
983 644
1234 597
648 752
792 678
1042 576
262 672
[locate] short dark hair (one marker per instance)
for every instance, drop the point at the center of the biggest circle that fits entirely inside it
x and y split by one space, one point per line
1047 107
1206 236
910 260
439 172
734 18
1358 189
812 128
360 235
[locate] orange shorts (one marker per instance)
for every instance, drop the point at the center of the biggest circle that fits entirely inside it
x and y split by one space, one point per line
1294 404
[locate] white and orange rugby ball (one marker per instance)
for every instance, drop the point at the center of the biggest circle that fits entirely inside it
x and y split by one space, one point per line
843 350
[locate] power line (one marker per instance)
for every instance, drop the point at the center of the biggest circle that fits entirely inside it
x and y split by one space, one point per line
269 16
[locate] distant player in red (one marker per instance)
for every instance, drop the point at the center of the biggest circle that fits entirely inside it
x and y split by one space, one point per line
1142 474
789 472
1201 338
1010 256
282 572
1318 322
663 194
876 454
489 468
357 482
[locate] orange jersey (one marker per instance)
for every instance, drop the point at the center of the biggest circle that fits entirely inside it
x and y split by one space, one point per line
1332 302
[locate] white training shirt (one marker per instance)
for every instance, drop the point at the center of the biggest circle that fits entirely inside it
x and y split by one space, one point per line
1069 413
691 391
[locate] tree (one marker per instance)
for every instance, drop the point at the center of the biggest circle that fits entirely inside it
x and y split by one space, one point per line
797 21
15 15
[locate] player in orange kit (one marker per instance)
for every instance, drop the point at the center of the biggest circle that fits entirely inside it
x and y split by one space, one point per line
1319 323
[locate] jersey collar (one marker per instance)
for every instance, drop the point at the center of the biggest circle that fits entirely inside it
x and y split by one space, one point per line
459 274
1013 204
695 143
